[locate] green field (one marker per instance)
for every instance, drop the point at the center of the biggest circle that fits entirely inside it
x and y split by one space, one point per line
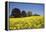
33 22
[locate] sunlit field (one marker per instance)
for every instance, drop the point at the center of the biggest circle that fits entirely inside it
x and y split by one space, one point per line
32 22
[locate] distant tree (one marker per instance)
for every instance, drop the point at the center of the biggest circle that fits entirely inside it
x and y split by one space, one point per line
29 13
36 15
23 13
11 16
16 12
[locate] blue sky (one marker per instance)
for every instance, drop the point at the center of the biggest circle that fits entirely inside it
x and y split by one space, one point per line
34 8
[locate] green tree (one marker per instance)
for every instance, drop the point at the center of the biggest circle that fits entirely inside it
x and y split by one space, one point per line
29 13
36 14
16 12
23 13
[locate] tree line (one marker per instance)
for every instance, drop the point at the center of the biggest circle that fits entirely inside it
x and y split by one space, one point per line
16 13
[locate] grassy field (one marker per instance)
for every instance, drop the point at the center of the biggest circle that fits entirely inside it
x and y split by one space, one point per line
33 22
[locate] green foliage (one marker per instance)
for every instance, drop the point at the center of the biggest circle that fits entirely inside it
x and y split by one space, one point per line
23 13
16 13
36 15
29 13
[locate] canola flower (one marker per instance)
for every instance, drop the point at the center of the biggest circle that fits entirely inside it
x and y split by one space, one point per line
27 22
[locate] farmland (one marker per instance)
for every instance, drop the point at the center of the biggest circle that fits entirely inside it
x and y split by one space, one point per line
32 22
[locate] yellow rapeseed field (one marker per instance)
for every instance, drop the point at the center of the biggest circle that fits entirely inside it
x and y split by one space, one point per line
32 22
